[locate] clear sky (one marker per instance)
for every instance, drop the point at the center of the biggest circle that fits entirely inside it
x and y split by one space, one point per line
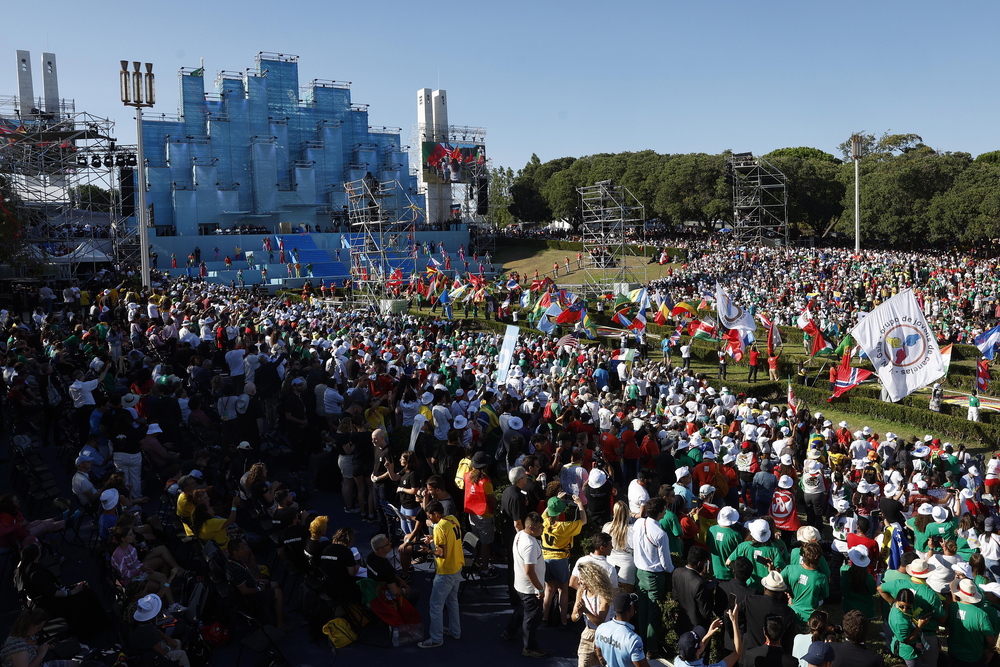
562 78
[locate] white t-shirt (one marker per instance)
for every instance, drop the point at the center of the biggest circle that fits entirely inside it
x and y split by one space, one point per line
527 551
637 496
235 360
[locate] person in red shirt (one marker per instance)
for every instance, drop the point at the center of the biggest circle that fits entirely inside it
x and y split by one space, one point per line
754 358
630 450
859 538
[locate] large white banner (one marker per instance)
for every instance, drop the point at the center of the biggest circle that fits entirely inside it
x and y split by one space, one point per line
900 345
506 353
732 316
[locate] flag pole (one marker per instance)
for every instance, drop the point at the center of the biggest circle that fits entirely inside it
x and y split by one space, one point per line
827 361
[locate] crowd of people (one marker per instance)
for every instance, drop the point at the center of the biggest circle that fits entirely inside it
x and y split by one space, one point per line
604 489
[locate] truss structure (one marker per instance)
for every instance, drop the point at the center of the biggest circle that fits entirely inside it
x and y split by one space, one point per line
382 220
482 227
63 172
760 201
612 230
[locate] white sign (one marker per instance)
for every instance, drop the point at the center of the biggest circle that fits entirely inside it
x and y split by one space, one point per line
506 353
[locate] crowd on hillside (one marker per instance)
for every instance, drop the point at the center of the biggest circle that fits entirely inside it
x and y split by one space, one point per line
198 421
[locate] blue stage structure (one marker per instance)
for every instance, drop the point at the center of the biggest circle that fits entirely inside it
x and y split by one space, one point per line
260 157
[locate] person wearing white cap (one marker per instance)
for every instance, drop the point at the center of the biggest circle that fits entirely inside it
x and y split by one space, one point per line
925 604
722 542
857 584
760 545
146 638
971 632
807 585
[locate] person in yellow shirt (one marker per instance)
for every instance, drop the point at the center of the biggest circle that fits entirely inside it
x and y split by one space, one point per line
185 501
446 546
557 540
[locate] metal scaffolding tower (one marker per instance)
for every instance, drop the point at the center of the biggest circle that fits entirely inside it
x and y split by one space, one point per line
477 211
612 228
382 220
760 201
69 182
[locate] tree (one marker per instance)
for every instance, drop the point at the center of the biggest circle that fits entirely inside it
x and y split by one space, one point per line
500 184
14 216
93 198
970 209
897 191
691 187
528 204
815 191
882 148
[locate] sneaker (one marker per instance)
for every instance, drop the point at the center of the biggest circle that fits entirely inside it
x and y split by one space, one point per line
453 635
429 643
352 510
534 653
176 608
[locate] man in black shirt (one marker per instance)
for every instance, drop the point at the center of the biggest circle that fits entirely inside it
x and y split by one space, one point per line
600 494
774 602
852 652
771 654
381 570
735 592
693 592
340 568
513 508
255 589
891 506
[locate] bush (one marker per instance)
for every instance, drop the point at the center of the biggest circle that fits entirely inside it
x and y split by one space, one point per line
576 246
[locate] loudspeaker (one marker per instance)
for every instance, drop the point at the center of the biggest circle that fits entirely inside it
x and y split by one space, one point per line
482 196
126 186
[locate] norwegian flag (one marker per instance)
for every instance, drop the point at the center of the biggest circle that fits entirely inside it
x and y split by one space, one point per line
982 374
569 340
848 377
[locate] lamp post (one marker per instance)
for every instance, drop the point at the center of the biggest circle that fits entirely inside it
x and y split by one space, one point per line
856 156
138 91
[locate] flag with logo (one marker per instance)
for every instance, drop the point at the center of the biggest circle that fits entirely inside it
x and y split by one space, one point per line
732 316
900 345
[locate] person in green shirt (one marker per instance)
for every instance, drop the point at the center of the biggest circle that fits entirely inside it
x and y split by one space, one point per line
722 542
808 534
919 524
906 628
944 527
857 584
926 603
682 458
760 546
806 584
671 523
970 629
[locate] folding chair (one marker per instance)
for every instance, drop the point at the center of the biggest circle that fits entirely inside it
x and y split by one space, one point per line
471 571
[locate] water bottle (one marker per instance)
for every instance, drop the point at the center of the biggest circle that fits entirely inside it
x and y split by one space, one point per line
395 637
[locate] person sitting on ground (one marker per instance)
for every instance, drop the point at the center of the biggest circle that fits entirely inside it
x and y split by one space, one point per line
21 649
145 638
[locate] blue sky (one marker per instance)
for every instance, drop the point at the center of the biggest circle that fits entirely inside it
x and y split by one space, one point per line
572 78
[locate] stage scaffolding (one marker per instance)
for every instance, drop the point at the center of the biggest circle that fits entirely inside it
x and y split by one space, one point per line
760 201
612 230
477 211
382 220
65 173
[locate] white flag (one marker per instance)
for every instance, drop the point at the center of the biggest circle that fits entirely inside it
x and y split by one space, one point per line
732 316
900 345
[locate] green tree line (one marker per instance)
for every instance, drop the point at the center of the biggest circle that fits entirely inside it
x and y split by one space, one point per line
910 193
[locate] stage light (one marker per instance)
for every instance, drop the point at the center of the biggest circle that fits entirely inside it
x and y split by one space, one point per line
81 161
132 162
109 161
120 161
95 162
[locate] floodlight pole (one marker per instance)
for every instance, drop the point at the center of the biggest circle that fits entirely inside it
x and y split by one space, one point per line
138 91
856 155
